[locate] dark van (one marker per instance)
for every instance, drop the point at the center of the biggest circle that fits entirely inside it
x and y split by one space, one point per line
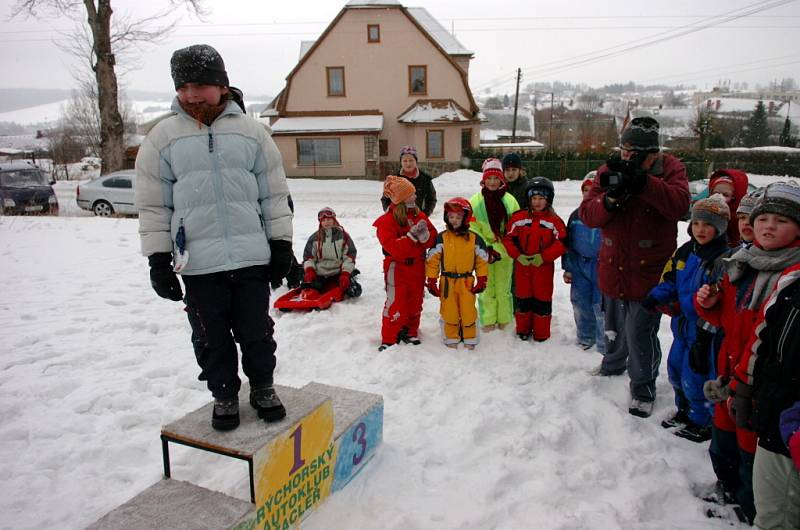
25 189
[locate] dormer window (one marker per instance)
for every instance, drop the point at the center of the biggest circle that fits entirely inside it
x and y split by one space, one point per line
417 80
373 33
335 80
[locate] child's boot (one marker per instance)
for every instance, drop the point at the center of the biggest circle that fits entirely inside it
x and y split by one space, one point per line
264 399
225 414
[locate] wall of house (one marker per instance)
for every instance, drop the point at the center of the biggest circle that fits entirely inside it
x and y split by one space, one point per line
376 76
352 154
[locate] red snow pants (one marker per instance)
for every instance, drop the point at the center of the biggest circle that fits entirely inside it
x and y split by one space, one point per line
405 284
533 288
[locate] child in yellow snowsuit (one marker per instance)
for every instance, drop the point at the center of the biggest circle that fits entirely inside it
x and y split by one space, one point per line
456 253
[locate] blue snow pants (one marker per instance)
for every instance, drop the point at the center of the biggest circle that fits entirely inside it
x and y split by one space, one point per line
587 303
687 384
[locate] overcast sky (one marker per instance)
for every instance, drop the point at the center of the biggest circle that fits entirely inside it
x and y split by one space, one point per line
259 41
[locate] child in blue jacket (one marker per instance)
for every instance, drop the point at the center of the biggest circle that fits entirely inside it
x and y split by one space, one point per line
580 272
695 263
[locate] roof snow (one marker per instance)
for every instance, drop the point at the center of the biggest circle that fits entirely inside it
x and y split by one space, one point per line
305 45
318 124
442 37
434 110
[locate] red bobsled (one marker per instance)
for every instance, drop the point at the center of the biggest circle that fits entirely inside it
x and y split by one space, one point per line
300 299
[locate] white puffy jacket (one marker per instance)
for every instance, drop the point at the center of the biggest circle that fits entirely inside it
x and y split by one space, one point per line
224 183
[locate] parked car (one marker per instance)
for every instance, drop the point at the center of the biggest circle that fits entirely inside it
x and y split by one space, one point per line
109 194
26 189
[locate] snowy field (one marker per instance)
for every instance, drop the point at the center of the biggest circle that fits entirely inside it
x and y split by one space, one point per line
510 436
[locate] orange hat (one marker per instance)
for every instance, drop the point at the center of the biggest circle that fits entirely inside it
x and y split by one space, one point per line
398 189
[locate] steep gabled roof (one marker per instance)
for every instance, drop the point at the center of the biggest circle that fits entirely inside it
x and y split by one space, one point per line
384 4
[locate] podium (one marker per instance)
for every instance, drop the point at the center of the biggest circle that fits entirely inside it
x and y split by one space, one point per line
326 438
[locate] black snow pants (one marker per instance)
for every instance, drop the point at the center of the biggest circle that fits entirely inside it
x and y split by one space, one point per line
227 306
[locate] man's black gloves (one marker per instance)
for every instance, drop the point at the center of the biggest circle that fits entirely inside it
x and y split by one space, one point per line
280 260
163 279
624 176
700 354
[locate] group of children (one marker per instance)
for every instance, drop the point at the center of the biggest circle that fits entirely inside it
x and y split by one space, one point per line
734 364
732 291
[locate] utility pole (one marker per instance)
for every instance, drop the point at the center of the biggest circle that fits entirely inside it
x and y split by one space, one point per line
516 103
550 141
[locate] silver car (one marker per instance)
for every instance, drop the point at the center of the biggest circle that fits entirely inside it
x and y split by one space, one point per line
108 195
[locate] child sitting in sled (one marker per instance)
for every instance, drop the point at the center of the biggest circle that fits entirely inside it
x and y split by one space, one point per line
329 259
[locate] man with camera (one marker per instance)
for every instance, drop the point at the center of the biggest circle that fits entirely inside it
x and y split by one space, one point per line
637 198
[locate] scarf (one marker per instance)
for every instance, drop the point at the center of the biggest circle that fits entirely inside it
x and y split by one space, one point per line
412 176
769 264
495 210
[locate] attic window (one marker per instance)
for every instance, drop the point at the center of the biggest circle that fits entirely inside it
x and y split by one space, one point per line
373 33
335 80
417 80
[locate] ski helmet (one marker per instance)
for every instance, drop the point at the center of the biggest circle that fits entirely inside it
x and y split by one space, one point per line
541 186
458 204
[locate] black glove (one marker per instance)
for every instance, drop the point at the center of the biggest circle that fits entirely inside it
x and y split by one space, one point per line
162 278
699 355
494 256
280 259
650 303
743 405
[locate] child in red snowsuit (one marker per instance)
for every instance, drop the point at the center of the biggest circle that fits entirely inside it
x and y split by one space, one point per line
535 241
405 233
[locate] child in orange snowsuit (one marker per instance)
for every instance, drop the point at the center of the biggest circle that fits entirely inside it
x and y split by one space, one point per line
405 233
456 253
535 241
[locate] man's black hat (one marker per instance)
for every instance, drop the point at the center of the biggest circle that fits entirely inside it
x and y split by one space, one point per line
641 134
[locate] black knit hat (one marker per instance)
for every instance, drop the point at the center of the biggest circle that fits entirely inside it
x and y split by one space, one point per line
782 198
541 186
199 63
641 134
512 160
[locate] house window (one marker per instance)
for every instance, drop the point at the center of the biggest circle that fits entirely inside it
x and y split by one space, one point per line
434 140
466 140
373 33
417 80
370 148
335 80
383 147
319 152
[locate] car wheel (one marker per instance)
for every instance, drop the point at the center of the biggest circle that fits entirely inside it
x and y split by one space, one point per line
102 209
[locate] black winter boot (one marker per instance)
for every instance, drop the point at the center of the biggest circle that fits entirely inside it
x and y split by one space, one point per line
225 416
694 433
680 419
264 399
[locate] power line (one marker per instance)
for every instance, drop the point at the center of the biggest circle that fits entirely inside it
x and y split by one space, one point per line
579 60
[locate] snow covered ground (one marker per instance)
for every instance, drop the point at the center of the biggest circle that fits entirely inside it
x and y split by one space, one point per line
510 435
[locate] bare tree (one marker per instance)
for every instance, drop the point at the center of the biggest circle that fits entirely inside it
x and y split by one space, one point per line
101 45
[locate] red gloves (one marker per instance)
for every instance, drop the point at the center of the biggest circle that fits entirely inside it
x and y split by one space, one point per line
794 449
479 286
309 275
344 280
433 287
